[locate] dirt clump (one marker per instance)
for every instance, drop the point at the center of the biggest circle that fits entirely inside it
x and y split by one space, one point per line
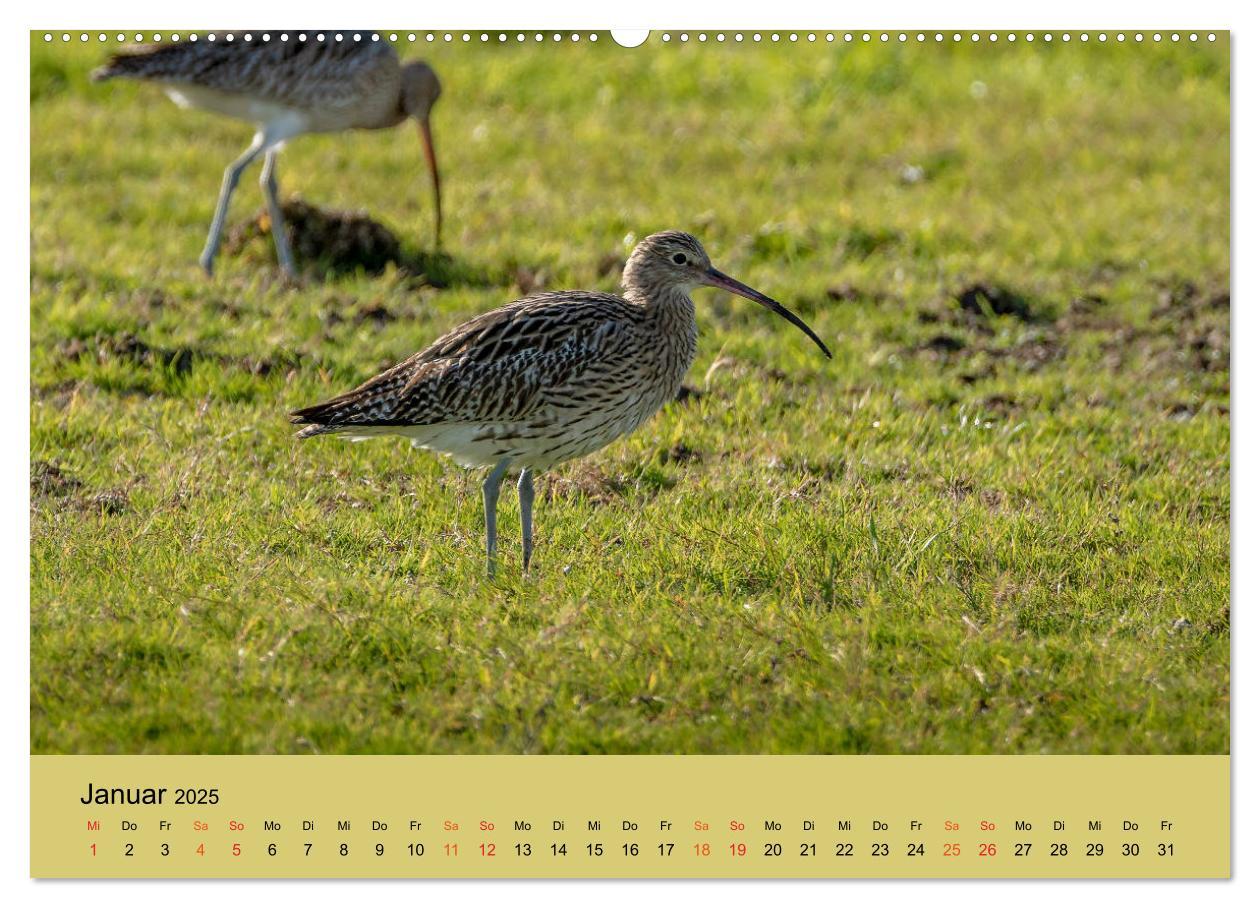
49 478
342 240
984 299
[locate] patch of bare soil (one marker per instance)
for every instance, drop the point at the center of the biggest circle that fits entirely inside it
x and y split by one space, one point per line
1030 355
1188 331
51 479
681 452
110 501
124 345
992 299
585 481
829 469
851 293
941 345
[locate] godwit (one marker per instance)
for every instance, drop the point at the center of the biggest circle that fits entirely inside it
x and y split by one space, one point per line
288 84
546 378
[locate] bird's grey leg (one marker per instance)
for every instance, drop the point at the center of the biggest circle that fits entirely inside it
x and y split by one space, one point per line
526 489
231 177
278 233
490 492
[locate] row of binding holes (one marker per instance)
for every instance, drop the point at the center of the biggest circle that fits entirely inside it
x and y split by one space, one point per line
683 37
924 37
485 37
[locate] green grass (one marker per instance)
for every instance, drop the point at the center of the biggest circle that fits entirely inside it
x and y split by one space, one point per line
971 532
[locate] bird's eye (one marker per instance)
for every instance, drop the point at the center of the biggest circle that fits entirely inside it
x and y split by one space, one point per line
680 259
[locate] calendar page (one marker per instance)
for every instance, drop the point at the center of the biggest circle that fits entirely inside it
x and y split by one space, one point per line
488 453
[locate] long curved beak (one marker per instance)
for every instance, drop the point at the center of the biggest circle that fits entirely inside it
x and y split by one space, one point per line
715 278
426 134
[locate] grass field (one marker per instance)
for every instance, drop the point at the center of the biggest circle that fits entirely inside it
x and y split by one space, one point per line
997 521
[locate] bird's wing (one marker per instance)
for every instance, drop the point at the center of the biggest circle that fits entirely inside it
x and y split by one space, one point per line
494 368
306 73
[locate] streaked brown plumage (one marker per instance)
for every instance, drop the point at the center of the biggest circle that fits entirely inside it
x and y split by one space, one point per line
289 83
547 378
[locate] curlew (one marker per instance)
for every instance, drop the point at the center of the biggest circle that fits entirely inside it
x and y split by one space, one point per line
544 379
287 84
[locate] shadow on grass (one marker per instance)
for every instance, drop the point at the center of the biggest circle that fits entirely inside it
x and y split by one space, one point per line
441 269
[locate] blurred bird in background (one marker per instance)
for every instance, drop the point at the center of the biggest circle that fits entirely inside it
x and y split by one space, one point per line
288 83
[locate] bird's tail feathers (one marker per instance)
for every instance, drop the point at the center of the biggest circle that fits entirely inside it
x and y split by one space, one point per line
137 61
332 417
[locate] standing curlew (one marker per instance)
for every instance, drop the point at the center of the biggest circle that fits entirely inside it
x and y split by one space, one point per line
546 378
288 85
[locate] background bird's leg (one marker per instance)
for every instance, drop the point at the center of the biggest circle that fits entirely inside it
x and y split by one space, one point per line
231 177
526 489
490 492
274 212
